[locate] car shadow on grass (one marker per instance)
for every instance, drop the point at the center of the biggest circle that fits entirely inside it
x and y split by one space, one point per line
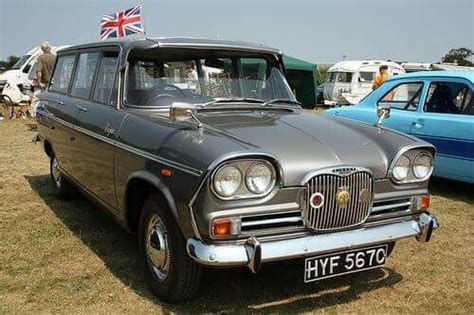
276 288
452 189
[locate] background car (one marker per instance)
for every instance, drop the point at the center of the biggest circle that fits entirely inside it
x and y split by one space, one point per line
436 106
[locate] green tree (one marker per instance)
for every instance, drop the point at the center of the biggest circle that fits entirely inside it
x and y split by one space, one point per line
7 64
459 56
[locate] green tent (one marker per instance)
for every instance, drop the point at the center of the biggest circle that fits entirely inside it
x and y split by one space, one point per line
302 77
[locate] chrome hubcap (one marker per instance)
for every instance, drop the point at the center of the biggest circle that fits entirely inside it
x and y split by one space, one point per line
55 172
157 247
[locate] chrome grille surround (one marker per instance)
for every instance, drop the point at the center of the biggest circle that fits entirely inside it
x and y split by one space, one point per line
334 215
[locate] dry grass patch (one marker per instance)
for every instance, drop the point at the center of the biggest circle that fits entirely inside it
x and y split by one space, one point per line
59 256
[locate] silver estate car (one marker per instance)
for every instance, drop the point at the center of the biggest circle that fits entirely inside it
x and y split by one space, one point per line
200 148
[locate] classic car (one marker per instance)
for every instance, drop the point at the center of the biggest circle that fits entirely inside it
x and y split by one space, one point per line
436 106
199 147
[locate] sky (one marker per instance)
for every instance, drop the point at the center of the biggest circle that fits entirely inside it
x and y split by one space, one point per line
317 31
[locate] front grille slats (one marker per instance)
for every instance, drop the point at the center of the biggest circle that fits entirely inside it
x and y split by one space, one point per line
333 214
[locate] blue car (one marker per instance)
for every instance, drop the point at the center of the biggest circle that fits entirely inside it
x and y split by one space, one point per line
436 106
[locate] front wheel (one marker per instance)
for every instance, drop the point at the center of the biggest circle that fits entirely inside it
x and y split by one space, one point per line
172 275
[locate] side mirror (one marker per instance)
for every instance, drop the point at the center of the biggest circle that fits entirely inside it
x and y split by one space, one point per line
184 111
383 112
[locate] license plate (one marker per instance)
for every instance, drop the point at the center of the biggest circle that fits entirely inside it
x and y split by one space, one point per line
336 264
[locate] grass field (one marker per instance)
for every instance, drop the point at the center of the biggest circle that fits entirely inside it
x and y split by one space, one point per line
58 256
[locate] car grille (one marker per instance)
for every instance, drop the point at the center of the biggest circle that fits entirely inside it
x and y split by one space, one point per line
337 212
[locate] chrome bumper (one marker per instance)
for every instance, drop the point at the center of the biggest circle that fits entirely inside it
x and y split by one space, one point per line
253 253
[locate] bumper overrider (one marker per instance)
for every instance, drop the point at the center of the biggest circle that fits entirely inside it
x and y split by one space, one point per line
254 252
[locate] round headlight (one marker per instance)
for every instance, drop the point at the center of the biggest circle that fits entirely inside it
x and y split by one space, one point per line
227 180
402 168
422 165
260 178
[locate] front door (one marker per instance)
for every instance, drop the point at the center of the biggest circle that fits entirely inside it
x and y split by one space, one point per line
403 99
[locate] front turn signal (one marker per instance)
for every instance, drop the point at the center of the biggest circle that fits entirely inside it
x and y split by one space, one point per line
425 202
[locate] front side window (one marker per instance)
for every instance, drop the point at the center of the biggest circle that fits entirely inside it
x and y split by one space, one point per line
84 75
62 73
105 90
405 96
449 98
201 77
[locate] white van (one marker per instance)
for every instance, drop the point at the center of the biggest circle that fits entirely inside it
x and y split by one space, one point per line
350 81
21 75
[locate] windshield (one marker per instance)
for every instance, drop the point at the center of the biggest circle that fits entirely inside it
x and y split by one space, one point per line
343 77
204 78
21 62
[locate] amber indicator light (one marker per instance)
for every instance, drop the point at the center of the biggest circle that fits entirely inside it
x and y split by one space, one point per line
425 202
221 227
166 172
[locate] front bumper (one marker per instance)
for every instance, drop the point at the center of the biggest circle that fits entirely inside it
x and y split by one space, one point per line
253 253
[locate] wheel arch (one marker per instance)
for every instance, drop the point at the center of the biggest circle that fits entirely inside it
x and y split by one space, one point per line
139 186
48 148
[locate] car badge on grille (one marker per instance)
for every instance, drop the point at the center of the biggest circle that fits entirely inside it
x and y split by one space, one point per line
364 195
316 200
342 198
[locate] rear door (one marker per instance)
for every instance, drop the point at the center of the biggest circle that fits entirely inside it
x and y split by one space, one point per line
63 112
447 121
98 121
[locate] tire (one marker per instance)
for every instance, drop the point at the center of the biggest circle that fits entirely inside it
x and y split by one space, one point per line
171 274
62 188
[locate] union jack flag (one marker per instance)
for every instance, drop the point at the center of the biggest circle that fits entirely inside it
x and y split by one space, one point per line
122 23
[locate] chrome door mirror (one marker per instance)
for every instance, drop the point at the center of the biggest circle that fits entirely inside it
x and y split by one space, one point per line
383 112
184 111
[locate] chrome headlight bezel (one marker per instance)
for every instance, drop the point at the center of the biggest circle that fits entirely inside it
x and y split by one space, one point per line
430 170
243 191
411 154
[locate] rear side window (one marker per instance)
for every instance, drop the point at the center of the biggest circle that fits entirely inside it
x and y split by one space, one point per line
105 90
84 75
405 96
449 98
62 74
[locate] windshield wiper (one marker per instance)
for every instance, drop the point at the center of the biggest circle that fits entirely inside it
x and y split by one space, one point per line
234 100
275 101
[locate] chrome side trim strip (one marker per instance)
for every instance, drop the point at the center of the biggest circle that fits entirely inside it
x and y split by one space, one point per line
124 146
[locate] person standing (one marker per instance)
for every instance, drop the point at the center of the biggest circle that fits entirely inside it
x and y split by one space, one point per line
44 70
381 77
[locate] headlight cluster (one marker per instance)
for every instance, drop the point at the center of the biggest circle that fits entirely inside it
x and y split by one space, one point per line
243 179
412 166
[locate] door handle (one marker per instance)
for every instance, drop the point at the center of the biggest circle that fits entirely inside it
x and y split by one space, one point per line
83 109
109 130
418 123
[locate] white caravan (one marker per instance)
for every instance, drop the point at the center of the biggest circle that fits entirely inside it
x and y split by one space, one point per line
350 81
21 75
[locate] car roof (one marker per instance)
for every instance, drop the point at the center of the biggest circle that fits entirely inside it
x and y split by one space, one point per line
354 65
469 75
175 42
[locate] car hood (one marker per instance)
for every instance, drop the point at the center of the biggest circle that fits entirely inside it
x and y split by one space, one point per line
304 141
